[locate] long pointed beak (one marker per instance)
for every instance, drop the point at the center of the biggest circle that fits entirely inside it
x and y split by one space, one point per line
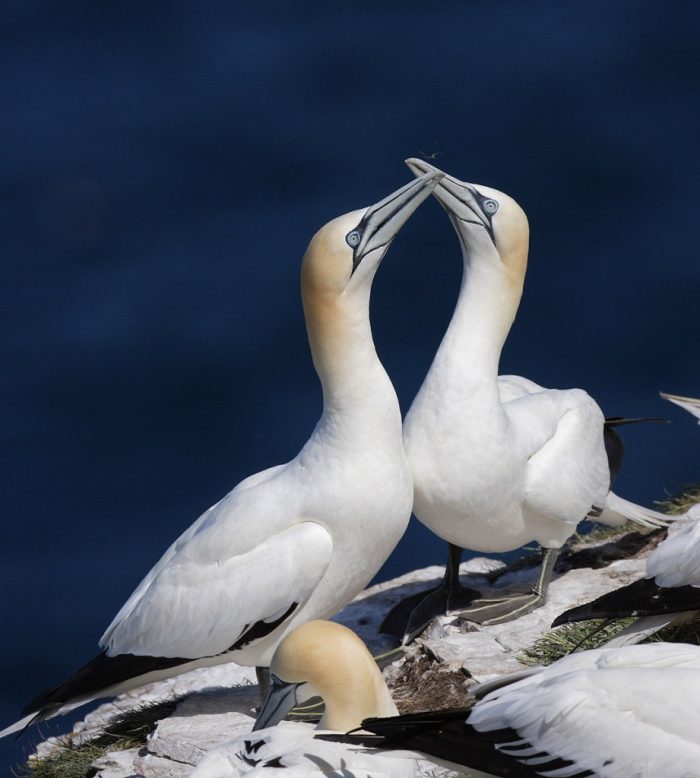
281 698
381 222
457 197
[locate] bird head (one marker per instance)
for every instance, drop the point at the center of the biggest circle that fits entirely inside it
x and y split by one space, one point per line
489 223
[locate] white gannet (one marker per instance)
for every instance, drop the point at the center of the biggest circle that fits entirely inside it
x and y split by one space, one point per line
498 463
690 404
669 594
297 541
609 712
324 659
671 591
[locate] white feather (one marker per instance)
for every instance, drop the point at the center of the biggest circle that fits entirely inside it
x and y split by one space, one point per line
617 712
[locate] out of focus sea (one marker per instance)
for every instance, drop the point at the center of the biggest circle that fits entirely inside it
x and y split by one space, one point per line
162 168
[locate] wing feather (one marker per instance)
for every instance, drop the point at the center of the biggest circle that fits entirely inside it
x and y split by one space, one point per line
195 607
561 433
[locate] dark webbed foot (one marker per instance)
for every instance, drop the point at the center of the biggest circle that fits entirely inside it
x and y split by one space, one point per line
499 611
513 606
408 618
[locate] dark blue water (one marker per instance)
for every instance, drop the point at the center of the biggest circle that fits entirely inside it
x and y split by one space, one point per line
162 168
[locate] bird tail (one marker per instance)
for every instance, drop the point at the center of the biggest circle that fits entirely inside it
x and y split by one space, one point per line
690 404
617 511
18 726
103 676
646 627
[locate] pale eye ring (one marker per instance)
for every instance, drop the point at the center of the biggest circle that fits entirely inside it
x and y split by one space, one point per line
353 239
490 206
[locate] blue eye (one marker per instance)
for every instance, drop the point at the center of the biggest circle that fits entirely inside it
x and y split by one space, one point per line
490 206
353 239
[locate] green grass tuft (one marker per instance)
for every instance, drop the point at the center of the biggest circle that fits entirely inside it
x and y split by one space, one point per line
679 503
682 633
74 760
563 640
579 636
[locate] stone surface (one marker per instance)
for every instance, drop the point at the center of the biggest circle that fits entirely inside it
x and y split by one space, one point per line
117 764
436 671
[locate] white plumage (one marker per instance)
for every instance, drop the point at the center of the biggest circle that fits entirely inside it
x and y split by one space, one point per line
324 659
297 541
500 462
670 593
617 712
690 404
292 749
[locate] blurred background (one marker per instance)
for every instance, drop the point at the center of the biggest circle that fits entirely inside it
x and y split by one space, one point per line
162 168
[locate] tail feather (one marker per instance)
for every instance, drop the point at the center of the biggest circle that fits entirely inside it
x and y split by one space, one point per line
690 404
18 726
641 598
617 511
447 737
103 676
646 627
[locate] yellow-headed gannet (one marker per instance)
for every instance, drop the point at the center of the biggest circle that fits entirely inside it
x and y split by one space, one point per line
609 712
319 658
297 541
498 463
690 404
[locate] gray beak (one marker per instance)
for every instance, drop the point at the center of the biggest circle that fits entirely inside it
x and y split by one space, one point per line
458 198
381 222
281 698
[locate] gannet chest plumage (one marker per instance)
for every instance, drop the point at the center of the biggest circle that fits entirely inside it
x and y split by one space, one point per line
297 541
323 659
498 463
610 713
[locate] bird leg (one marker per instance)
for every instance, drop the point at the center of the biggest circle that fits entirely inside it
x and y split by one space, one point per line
408 618
263 676
503 609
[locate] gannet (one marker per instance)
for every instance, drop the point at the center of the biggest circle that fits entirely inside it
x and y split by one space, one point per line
608 712
324 659
690 404
498 463
294 542
669 594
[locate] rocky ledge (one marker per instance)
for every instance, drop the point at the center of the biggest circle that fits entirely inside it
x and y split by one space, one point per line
204 708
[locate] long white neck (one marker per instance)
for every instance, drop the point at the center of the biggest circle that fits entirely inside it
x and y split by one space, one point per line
357 392
466 363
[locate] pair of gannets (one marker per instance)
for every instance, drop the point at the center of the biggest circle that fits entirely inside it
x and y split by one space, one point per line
297 541
499 462
670 594
613 713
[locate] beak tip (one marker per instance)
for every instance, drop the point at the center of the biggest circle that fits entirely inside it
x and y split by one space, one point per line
418 166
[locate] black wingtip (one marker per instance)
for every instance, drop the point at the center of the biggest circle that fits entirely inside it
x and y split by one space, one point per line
641 598
621 421
93 678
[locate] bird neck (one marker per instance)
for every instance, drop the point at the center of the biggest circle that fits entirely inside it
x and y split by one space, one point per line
360 694
353 379
488 302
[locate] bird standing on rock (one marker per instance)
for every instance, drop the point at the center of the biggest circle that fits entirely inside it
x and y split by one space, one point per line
295 542
499 462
